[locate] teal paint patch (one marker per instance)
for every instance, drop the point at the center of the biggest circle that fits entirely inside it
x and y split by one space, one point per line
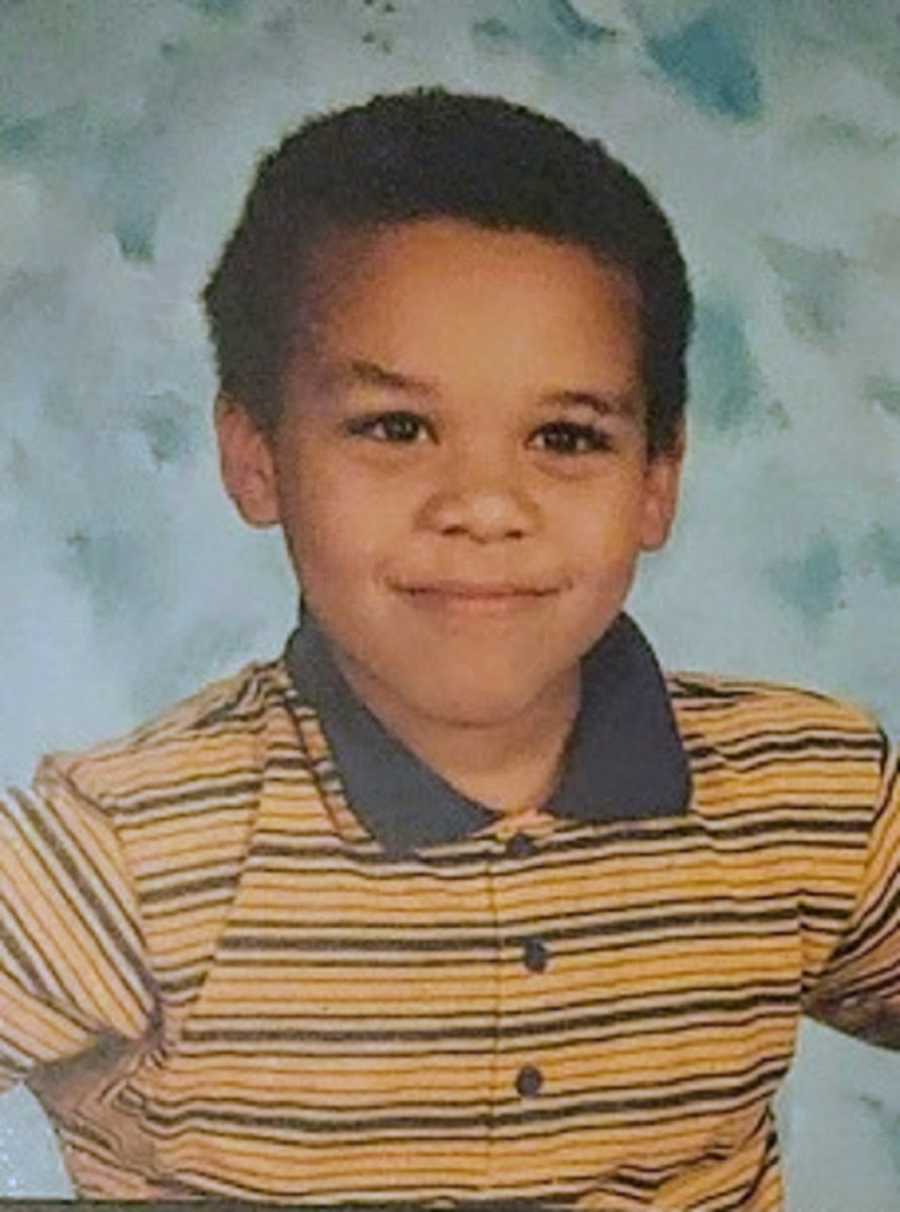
814 288
174 49
282 25
218 8
578 27
883 391
706 60
109 566
166 428
31 292
135 235
812 584
22 138
551 31
778 415
728 390
133 190
379 42
881 551
825 133
835 132
16 467
492 29
65 136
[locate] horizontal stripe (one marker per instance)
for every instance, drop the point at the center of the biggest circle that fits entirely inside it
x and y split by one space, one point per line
297 1017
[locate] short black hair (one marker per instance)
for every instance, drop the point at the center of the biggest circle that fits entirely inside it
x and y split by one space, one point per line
427 154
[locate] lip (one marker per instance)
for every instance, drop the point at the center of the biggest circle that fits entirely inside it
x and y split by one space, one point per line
476 597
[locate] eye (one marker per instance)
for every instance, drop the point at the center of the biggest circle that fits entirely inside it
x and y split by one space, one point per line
570 438
401 428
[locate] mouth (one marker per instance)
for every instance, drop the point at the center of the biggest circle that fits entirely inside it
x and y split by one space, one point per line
481 598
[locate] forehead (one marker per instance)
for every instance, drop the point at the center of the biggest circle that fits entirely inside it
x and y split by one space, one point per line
441 288
417 252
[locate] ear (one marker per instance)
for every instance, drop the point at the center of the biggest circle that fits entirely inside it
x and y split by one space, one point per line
247 463
663 478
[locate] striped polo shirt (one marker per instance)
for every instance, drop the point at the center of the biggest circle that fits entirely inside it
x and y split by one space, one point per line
256 949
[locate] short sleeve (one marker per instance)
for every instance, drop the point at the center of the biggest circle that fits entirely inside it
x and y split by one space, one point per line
72 965
859 988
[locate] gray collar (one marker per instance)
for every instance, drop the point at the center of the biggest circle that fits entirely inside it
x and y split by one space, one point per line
625 759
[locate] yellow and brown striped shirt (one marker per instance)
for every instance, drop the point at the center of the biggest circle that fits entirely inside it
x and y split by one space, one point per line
228 976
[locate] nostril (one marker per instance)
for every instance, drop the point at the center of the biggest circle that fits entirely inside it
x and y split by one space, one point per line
485 515
478 535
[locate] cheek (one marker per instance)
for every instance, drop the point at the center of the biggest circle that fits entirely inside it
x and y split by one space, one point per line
602 529
338 529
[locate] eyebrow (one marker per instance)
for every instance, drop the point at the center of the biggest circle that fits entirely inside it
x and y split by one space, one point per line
361 372
616 404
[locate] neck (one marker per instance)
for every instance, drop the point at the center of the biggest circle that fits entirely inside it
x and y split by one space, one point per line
511 765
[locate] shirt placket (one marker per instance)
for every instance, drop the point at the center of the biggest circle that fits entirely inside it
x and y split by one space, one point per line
517 1082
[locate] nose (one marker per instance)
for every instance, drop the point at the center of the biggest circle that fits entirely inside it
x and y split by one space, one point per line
480 495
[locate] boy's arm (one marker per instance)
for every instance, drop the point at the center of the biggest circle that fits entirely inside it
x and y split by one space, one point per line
868 1018
859 990
71 954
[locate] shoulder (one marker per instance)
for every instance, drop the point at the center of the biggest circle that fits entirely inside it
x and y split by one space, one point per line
730 706
777 743
213 735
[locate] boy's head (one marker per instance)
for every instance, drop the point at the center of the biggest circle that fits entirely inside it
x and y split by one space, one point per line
451 340
431 154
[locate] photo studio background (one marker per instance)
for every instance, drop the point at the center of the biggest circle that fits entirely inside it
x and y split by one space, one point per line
129 130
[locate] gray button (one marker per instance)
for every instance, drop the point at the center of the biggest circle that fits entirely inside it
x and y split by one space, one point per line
519 846
535 955
529 1081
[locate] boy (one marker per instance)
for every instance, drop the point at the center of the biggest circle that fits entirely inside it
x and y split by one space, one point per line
459 900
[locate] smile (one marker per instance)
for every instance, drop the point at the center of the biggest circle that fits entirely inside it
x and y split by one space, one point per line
482 598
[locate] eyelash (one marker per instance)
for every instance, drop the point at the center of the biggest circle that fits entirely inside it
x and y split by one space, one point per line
580 438
366 427
409 429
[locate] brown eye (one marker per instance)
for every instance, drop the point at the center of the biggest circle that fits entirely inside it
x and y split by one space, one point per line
402 428
569 438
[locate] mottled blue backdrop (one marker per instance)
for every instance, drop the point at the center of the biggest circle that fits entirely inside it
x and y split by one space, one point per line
771 130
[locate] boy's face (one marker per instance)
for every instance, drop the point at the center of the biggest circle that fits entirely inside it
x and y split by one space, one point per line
461 467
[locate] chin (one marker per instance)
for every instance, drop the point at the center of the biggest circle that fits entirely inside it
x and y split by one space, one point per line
475 707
